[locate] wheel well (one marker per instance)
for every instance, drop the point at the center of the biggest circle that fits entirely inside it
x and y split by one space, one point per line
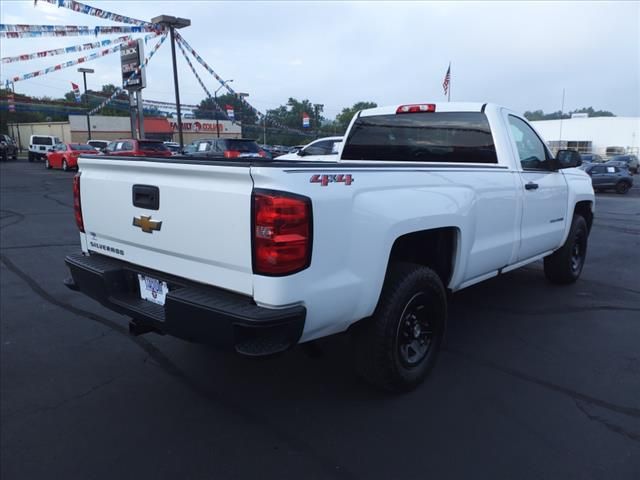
584 209
432 248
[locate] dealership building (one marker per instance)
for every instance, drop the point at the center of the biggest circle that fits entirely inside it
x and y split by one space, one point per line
592 134
113 128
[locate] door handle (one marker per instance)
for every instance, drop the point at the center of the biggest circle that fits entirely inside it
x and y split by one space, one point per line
146 196
531 186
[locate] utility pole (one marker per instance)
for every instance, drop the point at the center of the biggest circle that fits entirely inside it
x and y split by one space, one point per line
140 115
13 90
84 72
173 23
242 96
132 113
317 107
215 111
561 113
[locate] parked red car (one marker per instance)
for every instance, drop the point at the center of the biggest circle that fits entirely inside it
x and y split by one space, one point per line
137 148
65 155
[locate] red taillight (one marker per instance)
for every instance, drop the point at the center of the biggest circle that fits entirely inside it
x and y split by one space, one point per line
77 207
231 154
262 153
282 232
417 108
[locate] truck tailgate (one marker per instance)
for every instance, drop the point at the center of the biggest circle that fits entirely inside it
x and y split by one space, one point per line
204 209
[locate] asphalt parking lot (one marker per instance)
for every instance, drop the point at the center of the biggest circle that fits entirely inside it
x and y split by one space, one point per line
536 381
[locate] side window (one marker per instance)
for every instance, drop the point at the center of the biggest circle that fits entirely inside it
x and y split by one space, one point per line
127 146
319 148
598 170
203 146
531 150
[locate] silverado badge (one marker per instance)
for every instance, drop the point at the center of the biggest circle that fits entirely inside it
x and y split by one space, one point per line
146 224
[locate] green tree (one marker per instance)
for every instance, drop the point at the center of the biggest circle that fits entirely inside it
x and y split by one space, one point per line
540 115
244 114
344 118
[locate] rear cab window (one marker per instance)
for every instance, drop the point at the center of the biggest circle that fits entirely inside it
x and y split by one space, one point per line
451 137
242 146
83 147
152 146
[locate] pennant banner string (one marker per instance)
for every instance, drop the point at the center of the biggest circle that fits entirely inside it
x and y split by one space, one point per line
35 31
201 61
136 73
95 12
211 97
65 50
71 63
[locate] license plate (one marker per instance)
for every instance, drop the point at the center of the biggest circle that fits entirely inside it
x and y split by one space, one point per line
152 290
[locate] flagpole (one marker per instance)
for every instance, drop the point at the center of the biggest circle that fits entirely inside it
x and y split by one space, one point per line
449 90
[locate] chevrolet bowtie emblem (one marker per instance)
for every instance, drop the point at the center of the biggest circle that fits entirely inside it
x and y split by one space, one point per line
146 224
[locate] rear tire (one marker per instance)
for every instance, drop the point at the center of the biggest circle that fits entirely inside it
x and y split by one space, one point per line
565 265
622 187
30 157
397 348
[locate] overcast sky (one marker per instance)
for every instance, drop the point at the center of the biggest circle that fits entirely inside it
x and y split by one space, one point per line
519 54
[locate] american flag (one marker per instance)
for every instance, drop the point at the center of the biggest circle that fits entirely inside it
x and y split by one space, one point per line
76 91
447 79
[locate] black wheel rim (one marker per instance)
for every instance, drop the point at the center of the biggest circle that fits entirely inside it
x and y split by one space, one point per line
577 252
415 331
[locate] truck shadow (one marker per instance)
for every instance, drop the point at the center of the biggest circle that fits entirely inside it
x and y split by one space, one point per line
483 317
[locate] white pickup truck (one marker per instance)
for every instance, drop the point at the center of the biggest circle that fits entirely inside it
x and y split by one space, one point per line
260 255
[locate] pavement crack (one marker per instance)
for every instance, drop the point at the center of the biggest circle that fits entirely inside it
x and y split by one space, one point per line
606 423
59 202
296 443
576 396
18 218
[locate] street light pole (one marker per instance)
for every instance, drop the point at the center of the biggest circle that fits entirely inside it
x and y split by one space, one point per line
242 95
173 23
84 72
317 107
215 99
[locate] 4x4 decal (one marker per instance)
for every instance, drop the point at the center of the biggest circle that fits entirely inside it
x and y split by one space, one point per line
325 180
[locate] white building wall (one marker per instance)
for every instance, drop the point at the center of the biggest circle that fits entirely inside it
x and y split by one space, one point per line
603 132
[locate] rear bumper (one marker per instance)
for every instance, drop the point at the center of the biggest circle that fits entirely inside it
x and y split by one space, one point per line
192 311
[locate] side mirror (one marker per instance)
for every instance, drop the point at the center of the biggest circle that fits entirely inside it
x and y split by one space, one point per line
568 159
301 153
49 149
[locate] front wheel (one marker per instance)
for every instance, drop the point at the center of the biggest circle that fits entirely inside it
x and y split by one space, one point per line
399 345
622 187
565 264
